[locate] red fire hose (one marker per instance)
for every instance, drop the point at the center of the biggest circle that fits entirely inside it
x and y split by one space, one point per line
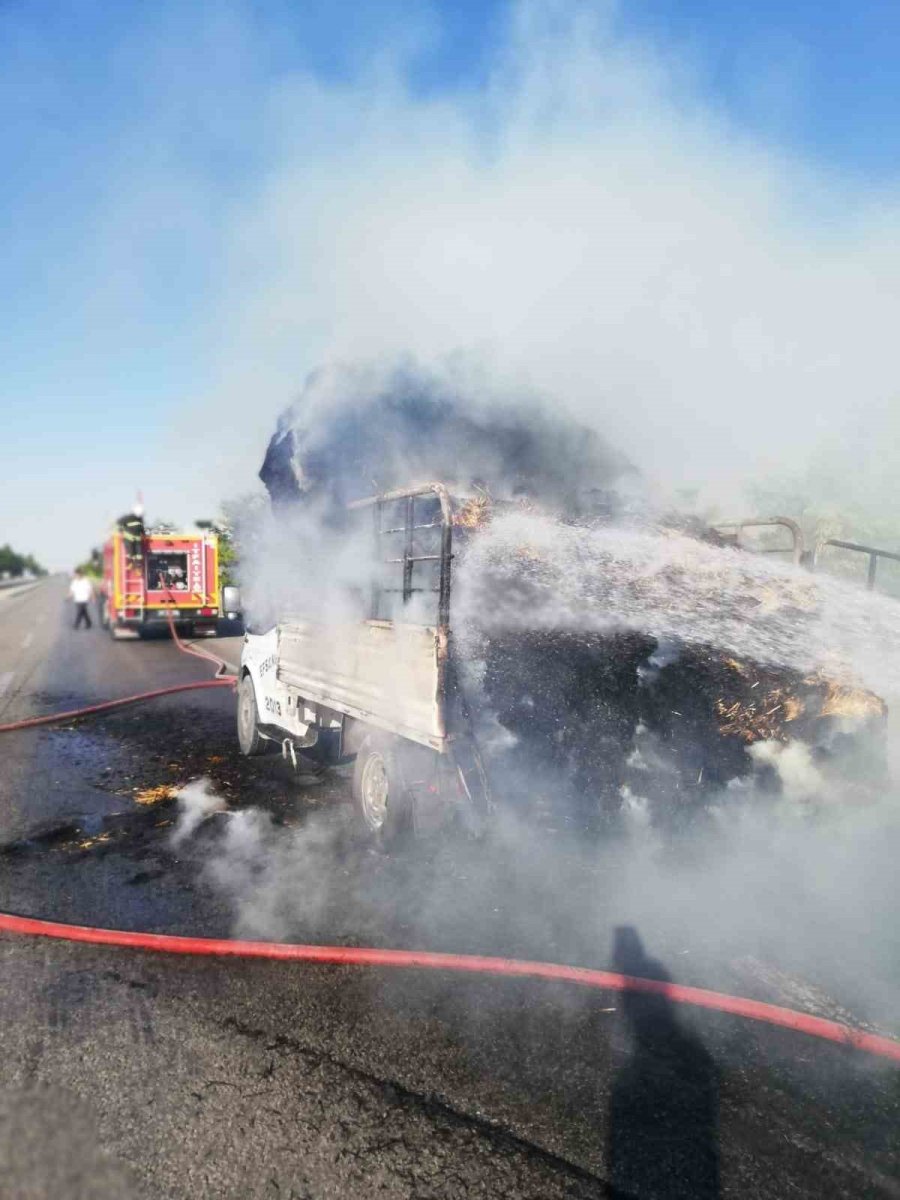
362 956
219 680
107 705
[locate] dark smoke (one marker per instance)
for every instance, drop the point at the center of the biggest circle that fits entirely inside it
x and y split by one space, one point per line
352 434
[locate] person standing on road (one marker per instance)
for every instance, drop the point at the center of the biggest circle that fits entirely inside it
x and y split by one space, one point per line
82 592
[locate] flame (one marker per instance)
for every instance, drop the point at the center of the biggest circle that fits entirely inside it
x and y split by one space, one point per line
156 795
765 716
843 701
88 843
474 514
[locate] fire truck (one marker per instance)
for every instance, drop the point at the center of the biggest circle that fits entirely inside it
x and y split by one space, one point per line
149 577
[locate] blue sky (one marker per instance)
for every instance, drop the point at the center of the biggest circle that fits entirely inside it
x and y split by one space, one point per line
832 89
141 141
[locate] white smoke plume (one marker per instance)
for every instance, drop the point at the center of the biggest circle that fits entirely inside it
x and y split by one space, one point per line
591 229
586 224
810 893
294 563
278 881
196 802
800 778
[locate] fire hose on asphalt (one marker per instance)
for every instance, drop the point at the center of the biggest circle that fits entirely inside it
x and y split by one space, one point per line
362 956
220 679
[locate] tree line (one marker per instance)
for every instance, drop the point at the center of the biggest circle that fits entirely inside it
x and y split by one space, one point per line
14 565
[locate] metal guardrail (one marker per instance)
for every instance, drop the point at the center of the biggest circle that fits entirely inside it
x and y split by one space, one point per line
796 549
11 583
873 552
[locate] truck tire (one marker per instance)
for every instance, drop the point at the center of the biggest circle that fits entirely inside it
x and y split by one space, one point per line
381 799
248 719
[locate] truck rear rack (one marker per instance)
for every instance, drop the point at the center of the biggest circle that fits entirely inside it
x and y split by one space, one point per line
406 499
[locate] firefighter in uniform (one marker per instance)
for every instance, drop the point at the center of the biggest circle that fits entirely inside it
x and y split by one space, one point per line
132 527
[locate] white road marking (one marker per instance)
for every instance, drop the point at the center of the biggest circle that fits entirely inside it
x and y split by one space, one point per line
27 640
5 681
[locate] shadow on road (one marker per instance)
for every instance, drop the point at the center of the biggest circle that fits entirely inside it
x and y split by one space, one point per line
664 1109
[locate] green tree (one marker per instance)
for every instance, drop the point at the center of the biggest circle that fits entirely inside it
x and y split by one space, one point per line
15 565
227 551
93 565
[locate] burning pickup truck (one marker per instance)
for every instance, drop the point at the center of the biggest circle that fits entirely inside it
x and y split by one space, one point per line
418 686
385 687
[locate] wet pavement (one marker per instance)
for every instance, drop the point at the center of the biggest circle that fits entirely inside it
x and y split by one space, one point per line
130 1074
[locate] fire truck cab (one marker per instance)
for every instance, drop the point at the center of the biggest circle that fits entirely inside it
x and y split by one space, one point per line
151 577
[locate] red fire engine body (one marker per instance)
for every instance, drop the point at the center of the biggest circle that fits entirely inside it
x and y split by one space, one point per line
150 577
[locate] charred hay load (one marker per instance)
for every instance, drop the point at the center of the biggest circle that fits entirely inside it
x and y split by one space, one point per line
616 712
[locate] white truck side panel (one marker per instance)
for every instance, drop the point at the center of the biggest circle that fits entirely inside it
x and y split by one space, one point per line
383 673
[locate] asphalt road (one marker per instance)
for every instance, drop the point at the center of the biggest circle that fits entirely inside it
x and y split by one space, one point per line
128 1074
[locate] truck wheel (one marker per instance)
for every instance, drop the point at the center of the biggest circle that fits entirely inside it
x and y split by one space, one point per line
381 798
248 719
